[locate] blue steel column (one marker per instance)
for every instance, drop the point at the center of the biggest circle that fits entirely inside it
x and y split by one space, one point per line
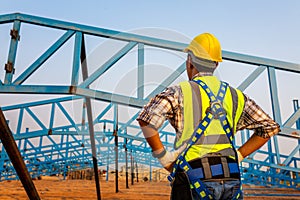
107 167
89 111
275 110
296 107
137 172
66 157
76 58
115 134
140 89
9 67
51 118
126 162
93 144
83 119
2 161
132 167
20 120
150 169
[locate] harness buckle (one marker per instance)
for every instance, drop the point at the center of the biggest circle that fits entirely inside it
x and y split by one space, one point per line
216 109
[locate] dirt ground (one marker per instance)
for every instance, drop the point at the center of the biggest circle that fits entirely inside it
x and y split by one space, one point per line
50 188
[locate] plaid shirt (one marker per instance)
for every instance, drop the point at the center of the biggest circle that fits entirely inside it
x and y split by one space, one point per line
168 105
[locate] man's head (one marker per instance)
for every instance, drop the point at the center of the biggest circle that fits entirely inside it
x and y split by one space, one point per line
204 54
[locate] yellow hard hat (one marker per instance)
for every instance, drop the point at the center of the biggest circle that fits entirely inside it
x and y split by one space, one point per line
206 46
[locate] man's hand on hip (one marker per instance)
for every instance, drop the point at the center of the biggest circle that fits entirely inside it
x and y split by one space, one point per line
168 158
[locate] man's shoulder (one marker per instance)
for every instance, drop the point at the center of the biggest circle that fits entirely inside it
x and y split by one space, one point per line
172 90
174 87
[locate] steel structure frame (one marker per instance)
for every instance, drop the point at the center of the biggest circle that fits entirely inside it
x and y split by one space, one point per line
59 149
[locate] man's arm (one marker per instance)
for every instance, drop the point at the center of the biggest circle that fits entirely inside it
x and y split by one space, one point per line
152 137
253 144
254 118
166 158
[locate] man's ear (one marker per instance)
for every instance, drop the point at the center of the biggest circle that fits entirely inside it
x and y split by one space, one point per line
189 62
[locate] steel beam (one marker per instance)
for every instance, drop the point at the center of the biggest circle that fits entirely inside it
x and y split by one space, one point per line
115 134
10 65
177 46
251 78
275 108
12 150
89 113
140 79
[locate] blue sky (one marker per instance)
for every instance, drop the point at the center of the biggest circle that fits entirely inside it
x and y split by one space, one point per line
267 28
264 28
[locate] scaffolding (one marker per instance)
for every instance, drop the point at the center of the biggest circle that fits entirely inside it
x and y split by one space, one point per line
89 125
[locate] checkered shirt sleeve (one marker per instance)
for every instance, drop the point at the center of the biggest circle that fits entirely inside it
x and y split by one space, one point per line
254 118
160 108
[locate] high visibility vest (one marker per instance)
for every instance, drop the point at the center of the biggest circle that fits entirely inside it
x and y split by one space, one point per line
195 104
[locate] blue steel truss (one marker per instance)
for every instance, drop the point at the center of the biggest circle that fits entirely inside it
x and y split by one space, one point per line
56 149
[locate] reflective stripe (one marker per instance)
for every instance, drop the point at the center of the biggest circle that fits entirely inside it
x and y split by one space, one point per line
197 106
234 101
234 106
213 139
188 118
227 152
238 100
240 107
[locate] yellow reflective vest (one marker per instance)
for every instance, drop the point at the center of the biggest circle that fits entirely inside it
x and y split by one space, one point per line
195 104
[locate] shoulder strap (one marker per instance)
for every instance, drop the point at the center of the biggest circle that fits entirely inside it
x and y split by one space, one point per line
216 107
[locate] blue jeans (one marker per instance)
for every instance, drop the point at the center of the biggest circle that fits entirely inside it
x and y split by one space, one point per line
219 189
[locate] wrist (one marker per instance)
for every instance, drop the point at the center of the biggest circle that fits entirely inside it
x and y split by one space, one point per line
240 156
159 153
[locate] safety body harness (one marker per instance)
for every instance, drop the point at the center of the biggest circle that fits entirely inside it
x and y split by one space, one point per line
196 175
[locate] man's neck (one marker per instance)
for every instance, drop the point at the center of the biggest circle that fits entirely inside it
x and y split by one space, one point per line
202 74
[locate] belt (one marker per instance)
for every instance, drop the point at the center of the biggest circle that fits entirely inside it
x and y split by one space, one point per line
213 168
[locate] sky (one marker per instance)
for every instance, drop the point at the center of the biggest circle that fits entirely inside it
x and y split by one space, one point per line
267 28
263 28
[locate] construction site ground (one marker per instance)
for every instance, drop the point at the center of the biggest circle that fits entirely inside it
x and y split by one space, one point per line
50 188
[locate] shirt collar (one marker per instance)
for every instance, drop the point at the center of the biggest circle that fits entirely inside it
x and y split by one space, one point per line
199 74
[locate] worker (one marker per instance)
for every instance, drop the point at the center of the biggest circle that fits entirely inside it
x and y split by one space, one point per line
205 113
